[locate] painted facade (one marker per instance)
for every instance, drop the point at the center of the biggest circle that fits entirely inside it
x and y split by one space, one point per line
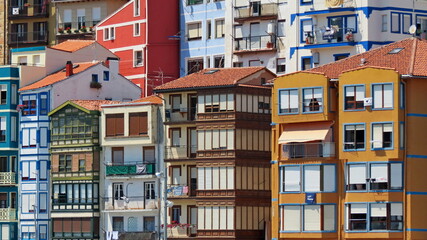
132 143
346 147
76 19
9 82
148 56
214 166
94 80
202 31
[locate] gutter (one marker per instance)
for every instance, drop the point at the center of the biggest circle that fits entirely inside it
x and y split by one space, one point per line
409 76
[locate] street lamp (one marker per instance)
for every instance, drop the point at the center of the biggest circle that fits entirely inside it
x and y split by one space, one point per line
166 203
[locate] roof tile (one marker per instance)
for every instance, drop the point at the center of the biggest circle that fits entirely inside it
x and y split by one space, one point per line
72 45
93 105
150 99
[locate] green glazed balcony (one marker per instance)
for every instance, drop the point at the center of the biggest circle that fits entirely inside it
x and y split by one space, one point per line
131 169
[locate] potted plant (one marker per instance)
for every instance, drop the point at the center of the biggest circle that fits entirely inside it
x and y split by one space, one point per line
68 30
83 29
76 31
60 30
269 44
94 84
91 29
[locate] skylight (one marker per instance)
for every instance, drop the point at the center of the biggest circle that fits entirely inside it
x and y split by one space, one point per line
396 50
212 71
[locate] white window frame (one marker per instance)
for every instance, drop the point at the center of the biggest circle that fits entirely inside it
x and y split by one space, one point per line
199 31
136 29
135 62
289 103
379 98
222 30
377 135
137 8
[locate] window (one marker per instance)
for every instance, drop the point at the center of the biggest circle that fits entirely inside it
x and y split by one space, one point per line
3 129
65 163
3 94
306 29
313 99
114 124
314 218
219 62
194 31
75 193
354 137
29 137
67 19
43 170
317 178
106 76
306 63
237 64
382 136
81 18
176 214
118 193
136 29
219 28
175 102
136 8
384 23
175 136
14 94
138 124
281 65
28 232
288 99
82 165
96 15
194 65
342 26
382 216
28 202
28 169
43 203
281 26
150 193
354 96
194 2
208 29
400 22
402 96
138 59
149 225
254 63
382 96
118 224
30 105
44 109
109 33
304 2
381 176
149 154
290 178
341 56
117 155
402 135
43 232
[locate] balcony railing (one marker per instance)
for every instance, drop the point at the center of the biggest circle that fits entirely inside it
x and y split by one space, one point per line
29 10
180 152
130 203
7 214
76 27
7 178
254 43
319 5
28 37
256 10
308 150
130 168
137 235
329 35
180 115
181 190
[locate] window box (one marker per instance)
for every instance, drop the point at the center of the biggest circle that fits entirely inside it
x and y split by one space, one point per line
95 84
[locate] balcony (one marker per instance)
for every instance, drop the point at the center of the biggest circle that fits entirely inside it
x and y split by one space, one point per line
7 178
28 10
126 203
130 168
254 11
308 150
39 37
263 43
319 7
85 27
180 152
180 115
82 175
181 191
137 235
7 214
61 203
329 37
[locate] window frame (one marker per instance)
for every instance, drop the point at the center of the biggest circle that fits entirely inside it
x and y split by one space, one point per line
199 31
29 109
302 32
392 136
289 94
302 181
223 28
136 59
355 142
383 96
280 66
303 58
339 55
355 97
136 29
321 107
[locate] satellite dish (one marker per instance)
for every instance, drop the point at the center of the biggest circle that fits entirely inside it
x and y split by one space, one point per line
412 29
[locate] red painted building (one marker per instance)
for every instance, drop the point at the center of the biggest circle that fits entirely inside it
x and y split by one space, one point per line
140 34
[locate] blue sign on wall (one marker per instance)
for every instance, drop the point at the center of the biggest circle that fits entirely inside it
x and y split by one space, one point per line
310 198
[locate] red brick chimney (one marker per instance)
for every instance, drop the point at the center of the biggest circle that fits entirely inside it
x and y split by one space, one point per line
69 69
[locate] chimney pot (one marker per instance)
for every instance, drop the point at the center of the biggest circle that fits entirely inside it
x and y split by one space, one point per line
69 69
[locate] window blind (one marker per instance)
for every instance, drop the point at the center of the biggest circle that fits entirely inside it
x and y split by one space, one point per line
291 218
357 174
312 218
396 171
329 178
201 178
292 179
328 217
378 210
312 178
379 172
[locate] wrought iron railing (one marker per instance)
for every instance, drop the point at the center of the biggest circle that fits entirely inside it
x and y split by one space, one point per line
29 10
308 150
7 178
130 168
329 35
256 10
28 37
254 43
7 214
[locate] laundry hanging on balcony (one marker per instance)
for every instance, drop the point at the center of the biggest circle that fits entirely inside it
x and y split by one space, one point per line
333 3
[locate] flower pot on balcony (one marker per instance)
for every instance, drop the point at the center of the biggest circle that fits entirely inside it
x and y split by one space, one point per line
94 84
269 45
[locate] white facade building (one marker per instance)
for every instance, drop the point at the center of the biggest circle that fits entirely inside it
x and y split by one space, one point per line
132 143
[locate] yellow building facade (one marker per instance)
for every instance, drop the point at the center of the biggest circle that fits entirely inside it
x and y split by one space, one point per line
348 151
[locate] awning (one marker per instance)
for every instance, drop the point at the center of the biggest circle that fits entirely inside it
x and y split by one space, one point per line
305 132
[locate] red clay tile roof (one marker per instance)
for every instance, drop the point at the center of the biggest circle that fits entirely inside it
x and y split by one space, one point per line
93 105
223 77
411 60
58 76
150 99
73 45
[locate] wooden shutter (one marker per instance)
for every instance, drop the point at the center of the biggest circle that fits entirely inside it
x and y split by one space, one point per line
57 225
67 225
120 125
133 124
86 224
110 125
143 123
77 225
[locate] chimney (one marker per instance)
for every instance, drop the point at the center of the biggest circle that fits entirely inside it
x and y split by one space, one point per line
113 64
69 69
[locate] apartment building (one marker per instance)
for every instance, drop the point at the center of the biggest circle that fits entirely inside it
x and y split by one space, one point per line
218 174
203 25
84 80
75 166
77 19
347 147
9 85
141 33
132 143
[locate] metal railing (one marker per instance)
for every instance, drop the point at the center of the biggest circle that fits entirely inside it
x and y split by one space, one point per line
256 10
7 178
127 235
308 150
130 168
179 190
130 203
320 5
7 214
181 114
76 27
28 37
29 10
254 43
329 35
180 152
